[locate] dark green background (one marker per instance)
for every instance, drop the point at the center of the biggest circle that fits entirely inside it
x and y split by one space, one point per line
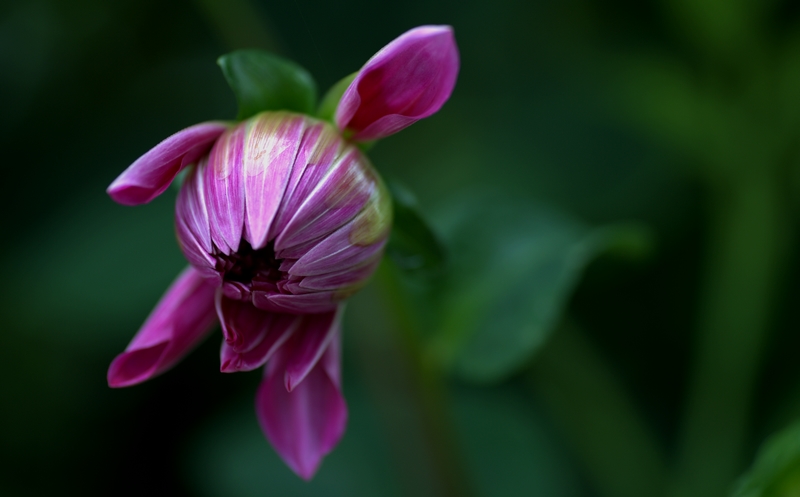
548 109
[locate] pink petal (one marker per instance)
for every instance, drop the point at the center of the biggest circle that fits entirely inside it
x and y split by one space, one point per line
317 302
315 333
192 224
350 276
243 325
271 148
409 79
182 318
337 196
305 424
152 173
337 252
280 328
319 150
224 189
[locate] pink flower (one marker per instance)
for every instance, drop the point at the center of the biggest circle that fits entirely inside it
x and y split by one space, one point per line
281 219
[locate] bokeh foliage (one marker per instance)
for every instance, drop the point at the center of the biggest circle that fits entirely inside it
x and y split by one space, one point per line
579 131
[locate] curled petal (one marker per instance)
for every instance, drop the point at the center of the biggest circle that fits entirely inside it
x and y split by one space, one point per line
224 189
152 173
310 342
243 325
305 424
407 80
192 224
279 328
182 318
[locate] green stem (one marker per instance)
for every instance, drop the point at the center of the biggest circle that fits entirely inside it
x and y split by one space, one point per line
746 255
616 448
413 394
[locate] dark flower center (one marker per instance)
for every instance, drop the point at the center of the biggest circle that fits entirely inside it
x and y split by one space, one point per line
251 267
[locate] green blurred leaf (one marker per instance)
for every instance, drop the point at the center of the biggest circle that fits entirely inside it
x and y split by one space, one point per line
514 268
412 246
327 109
263 81
99 266
507 446
229 457
776 470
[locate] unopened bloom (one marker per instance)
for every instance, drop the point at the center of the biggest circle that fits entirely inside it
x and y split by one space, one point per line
282 218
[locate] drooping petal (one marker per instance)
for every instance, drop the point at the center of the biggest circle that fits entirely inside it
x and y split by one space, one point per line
152 173
271 147
409 79
224 189
182 318
280 328
305 424
310 342
243 325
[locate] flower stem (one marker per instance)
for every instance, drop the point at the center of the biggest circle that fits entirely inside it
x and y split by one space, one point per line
615 446
746 255
413 394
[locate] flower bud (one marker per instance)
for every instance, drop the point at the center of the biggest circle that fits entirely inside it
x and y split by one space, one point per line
284 214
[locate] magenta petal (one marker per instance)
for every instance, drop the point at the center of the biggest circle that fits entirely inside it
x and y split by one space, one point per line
243 325
337 197
317 302
320 147
309 343
336 253
192 224
152 173
224 189
305 424
407 80
182 318
280 329
271 148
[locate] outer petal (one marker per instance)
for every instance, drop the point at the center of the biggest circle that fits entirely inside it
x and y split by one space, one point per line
152 173
310 342
224 189
278 329
192 224
409 79
182 318
305 424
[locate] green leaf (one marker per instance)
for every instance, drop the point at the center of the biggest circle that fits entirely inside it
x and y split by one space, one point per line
327 109
513 270
412 245
263 81
776 470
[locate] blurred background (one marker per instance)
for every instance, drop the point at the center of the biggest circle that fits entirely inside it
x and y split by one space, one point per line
615 183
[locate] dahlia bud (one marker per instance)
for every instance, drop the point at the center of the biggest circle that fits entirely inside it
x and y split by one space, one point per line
284 214
281 218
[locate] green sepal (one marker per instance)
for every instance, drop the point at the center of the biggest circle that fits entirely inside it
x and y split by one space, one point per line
262 81
413 246
327 108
